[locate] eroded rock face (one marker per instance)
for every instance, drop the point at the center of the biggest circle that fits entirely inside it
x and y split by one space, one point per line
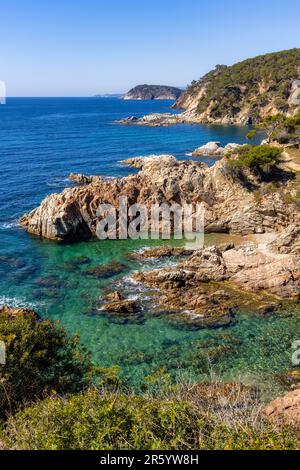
289 240
284 410
229 206
13 313
210 284
160 252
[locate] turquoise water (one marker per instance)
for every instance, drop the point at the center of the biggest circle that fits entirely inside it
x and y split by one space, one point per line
41 142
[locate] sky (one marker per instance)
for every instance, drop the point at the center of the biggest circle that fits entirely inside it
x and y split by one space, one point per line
83 48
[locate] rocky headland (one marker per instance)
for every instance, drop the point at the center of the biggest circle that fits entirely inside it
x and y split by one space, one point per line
153 92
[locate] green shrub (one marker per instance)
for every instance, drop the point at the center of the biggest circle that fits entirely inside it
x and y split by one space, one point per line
40 358
283 129
258 159
94 421
251 134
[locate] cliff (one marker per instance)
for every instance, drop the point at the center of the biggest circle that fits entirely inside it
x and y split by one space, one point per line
245 93
153 92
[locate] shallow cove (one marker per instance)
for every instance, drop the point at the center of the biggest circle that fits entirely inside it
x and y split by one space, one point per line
41 142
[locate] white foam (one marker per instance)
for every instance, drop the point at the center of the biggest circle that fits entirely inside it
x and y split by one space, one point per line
16 302
9 225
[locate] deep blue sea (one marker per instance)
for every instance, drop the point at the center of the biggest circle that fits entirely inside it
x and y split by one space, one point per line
42 140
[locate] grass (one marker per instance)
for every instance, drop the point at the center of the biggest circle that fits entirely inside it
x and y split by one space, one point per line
186 417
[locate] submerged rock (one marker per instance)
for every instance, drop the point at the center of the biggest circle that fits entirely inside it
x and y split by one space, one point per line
49 282
119 309
160 252
115 296
106 271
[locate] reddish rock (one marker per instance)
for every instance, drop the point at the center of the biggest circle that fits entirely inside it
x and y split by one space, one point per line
284 410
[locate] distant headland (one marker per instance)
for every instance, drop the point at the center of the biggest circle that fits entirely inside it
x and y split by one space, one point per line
153 92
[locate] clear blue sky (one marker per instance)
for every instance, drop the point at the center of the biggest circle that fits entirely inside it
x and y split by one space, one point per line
80 48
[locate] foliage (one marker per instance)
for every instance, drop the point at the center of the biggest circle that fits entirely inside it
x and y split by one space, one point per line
258 159
251 134
40 358
180 420
253 83
283 129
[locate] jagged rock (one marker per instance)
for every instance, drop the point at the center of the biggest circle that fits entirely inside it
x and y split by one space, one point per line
211 148
288 241
229 206
284 410
113 297
83 179
153 92
256 269
154 120
14 312
120 306
106 271
195 291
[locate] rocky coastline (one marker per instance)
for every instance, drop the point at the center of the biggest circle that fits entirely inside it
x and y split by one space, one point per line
207 285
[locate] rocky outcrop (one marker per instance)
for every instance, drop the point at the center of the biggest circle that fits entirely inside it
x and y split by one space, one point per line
284 410
83 179
288 241
229 206
14 313
155 120
153 92
161 252
205 289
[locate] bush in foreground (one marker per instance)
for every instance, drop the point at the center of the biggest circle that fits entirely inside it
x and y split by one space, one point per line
40 358
202 417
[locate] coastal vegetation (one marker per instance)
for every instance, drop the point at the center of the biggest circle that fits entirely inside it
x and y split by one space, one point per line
40 358
52 397
216 415
260 159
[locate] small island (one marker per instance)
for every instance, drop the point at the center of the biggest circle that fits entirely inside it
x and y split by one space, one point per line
153 92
